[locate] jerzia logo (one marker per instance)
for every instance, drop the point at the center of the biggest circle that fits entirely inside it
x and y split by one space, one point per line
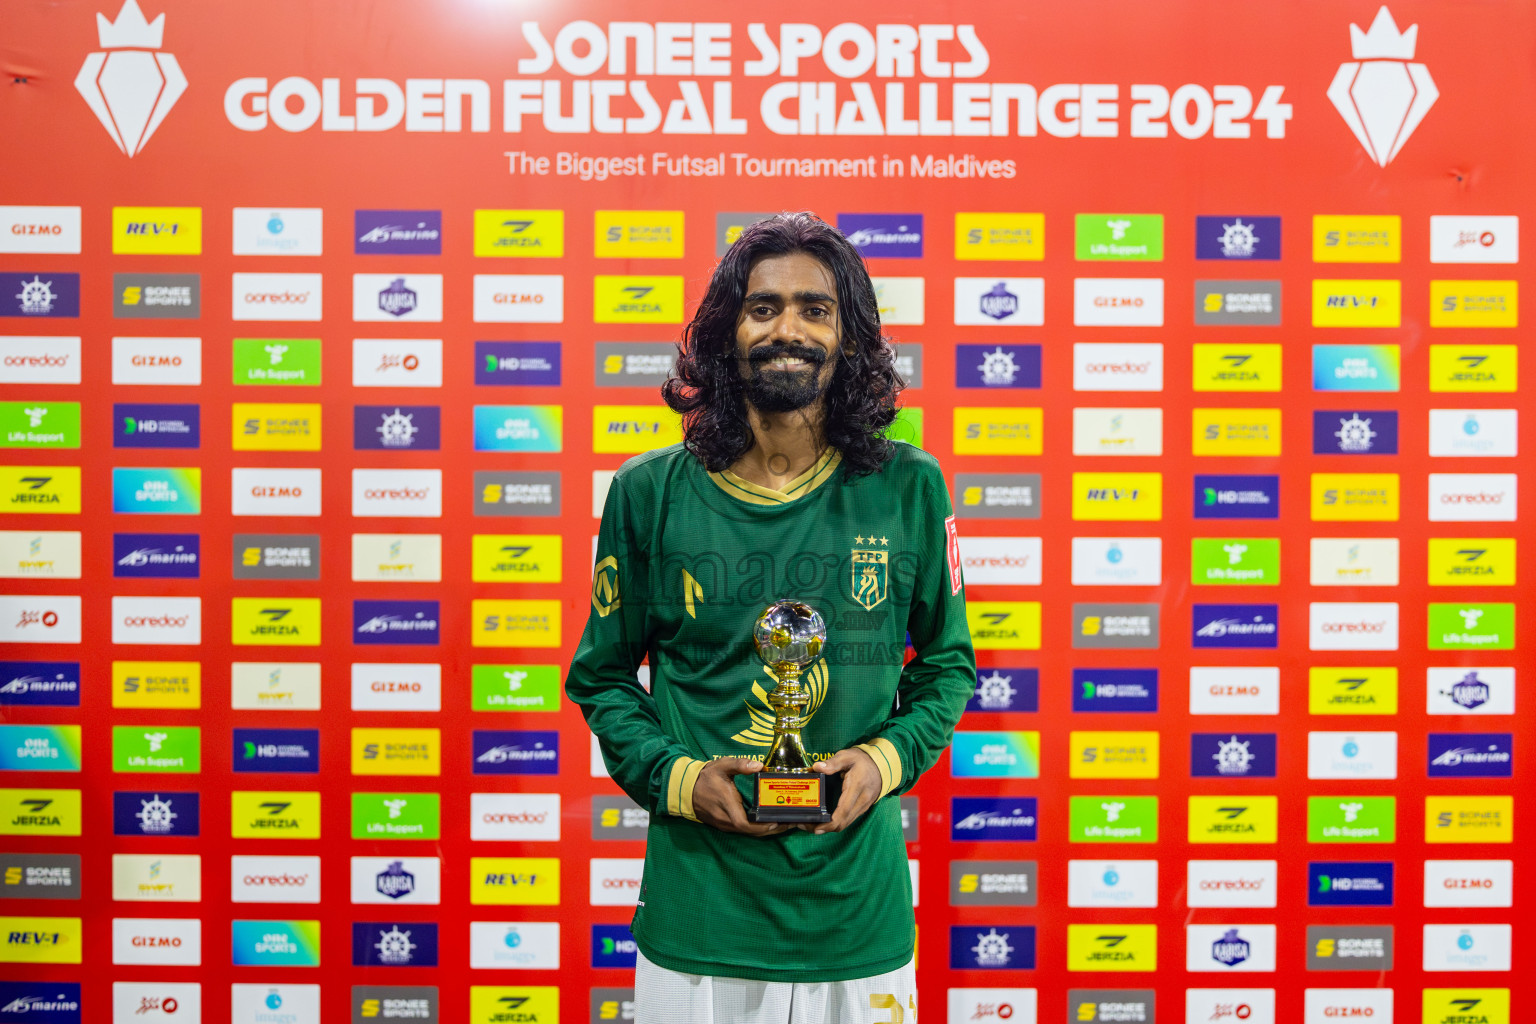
133 86
1381 94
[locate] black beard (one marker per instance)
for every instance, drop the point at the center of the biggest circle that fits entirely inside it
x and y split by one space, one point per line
772 390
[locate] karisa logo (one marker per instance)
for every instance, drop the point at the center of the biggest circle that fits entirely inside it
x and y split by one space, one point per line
133 86
1382 94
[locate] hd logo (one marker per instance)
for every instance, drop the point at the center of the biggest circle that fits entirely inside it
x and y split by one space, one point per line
288 622
519 232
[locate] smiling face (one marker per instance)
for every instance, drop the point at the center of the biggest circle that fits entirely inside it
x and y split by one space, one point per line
787 333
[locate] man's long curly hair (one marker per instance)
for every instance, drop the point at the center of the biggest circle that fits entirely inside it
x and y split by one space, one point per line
860 401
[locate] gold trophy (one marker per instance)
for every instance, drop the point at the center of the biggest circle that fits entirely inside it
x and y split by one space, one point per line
789 636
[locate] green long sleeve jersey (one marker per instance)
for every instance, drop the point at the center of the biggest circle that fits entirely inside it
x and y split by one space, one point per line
686 561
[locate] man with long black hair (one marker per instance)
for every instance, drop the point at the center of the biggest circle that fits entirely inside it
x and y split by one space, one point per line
785 486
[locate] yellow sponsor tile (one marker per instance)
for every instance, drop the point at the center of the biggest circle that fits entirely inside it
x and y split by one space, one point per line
275 621
40 489
157 230
1357 239
1466 1006
1356 303
999 236
1117 497
40 940
1352 690
1472 561
1474 303
515 623
1229 367
1355 497
642 234
515 557
275 427
1234 819
520 233
1469 819
1486 368
268 814
537 1004
1112 947
397 752
1236 432
157 684
1004 625
637 299
514 881
1113 755
40 812
631 429
981 430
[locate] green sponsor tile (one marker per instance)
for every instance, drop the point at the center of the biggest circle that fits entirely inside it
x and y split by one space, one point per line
1120 236
1472 626
515 688
396 816
156 748
1113 819
39 424
1351 819
1235 560
287 361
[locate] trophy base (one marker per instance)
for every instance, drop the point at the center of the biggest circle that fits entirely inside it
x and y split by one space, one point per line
790 798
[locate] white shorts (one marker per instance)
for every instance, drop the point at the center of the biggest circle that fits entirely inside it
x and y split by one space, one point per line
671 997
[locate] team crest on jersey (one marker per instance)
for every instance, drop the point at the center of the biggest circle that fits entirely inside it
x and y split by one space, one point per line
869 576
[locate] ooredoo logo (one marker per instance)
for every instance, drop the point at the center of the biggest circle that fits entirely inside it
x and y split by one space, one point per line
514 817
157 620
276 297
416 493
274 879
132 86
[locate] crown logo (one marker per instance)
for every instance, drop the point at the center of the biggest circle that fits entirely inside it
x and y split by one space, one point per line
1382 42
130 84
131 30
1383 94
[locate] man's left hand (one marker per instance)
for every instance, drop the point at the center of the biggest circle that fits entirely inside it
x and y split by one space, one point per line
861 788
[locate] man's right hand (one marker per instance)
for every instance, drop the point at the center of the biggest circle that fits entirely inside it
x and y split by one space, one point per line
717 802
